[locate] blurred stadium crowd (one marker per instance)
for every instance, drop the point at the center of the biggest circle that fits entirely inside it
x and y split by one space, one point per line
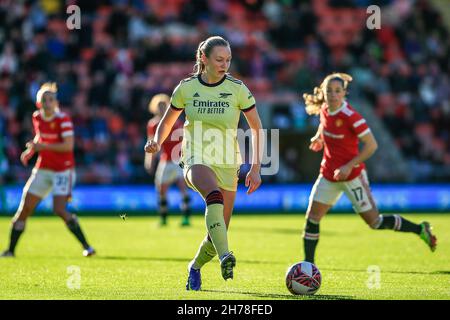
126 51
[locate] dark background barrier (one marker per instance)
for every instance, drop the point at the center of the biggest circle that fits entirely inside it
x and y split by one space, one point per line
124 52
111 200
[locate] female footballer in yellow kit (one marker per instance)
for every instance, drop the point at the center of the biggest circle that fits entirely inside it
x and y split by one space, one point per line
213 101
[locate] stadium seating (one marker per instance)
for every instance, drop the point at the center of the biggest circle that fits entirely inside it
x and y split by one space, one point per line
123 54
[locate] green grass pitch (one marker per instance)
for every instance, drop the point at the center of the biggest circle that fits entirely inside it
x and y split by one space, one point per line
139 260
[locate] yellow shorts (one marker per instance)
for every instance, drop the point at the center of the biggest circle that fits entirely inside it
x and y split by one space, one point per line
227 178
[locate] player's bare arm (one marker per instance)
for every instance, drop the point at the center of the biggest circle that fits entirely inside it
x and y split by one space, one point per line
29 152
369 147
316 141
148 160
163 130
253 179
26 155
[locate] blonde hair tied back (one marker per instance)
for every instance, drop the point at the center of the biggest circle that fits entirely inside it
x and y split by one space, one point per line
205 47
315 101
46 87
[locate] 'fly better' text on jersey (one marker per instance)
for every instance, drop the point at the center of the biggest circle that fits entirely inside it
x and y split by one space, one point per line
212 116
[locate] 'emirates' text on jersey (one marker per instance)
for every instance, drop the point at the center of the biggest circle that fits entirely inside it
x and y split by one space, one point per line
53 130
212 116
341 132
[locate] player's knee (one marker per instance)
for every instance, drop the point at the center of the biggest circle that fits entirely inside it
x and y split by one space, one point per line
72 220
162 190
375 223
162 195
313 215
25 210
61 212
204 182
18 225
205 187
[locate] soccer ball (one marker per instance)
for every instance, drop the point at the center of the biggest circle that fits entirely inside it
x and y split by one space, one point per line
303 278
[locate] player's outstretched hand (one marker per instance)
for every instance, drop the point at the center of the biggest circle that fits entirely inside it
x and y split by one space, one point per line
151 146
26 156
316 144
252 181
342 173
29 145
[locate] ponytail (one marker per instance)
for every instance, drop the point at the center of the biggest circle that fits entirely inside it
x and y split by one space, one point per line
315 101
199 66
205 47
46 87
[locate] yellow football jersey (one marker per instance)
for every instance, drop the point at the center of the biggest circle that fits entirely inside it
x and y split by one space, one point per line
212 116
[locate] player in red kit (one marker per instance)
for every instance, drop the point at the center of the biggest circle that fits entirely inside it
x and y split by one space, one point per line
54 169
342 169
168 171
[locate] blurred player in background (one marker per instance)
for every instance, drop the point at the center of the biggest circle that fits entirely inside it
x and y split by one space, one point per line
212 100
54 169
342 169
168 171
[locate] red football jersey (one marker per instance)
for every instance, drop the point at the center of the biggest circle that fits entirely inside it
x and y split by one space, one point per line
341 132
53 130
168 145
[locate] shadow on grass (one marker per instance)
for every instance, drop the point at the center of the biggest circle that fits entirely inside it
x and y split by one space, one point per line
285 296
295 231
175 259
446 272
143 258
441 272
187 260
